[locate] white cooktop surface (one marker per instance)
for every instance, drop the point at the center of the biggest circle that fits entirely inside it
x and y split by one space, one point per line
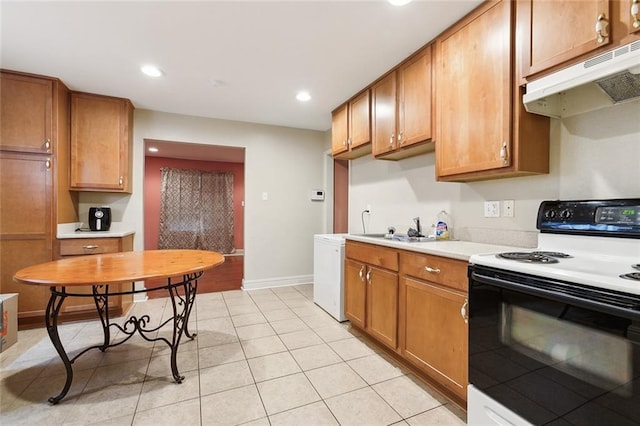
594 261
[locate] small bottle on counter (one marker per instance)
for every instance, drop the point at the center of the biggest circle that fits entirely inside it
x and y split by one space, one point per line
443 227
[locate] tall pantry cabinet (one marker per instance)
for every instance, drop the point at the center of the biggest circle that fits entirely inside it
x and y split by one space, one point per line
34 181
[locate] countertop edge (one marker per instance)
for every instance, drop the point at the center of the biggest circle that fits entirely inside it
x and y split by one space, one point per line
117 230
454 249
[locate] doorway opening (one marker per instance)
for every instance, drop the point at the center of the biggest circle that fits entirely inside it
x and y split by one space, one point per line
210 158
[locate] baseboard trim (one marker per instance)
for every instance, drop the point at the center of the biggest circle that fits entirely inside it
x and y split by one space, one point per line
276 282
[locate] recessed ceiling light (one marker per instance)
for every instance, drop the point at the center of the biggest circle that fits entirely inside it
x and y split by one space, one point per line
303 96
399 2
153 149
151 70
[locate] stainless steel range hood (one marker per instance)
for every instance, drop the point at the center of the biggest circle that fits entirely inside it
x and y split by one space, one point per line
604 80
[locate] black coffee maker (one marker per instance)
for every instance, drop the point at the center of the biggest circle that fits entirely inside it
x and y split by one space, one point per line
99 218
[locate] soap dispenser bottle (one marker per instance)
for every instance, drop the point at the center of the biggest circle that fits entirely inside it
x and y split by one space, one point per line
443 227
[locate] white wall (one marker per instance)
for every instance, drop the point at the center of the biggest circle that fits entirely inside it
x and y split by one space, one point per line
595 155
286 163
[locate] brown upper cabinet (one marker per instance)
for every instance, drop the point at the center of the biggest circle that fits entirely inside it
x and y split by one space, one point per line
402 109
26 113
482 129
101 143
558 32
351 128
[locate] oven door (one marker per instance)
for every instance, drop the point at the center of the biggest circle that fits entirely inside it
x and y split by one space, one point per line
551 352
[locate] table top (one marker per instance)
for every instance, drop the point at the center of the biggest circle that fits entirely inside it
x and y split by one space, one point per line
116 268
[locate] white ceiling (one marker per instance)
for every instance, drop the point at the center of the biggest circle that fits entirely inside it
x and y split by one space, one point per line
262 51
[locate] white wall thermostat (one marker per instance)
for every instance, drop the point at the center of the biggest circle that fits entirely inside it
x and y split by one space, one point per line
317 195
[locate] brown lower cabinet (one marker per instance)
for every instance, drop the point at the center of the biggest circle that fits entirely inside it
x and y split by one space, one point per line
435 334
371 291
414 304
84 307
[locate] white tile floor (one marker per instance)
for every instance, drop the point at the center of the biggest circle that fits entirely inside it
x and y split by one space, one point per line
263 357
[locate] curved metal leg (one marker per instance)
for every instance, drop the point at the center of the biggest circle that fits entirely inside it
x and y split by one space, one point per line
190 290
102 305
178 328
51 319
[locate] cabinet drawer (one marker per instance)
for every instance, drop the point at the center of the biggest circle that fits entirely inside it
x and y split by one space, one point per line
373 255
441 270
80 246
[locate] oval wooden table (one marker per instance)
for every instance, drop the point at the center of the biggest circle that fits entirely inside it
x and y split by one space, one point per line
101 270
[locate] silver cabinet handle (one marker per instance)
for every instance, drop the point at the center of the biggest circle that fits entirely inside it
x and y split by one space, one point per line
121 181
348 141
90 247
47 164
400 141
635 10
361 273
432 270
504 154
463 311
391 140
601 22
47 144
369 276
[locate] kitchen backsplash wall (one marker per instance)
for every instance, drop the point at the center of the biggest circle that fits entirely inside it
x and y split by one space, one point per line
594 155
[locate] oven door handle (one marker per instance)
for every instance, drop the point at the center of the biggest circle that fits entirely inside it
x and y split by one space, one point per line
557 296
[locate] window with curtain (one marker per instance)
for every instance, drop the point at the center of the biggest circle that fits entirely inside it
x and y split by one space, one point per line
196 210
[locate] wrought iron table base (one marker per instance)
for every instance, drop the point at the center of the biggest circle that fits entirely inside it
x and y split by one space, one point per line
181 302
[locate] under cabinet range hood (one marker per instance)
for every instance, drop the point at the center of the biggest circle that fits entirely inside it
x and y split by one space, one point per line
604 80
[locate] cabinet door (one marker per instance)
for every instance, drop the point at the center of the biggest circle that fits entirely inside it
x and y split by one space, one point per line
25 107
355 292
84 307
339 130
562 30
100 143
382 305
414 100
436 334
360 120
383 105
25 225
474 94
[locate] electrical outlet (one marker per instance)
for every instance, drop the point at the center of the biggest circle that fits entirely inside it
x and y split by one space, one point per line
492 209
508 207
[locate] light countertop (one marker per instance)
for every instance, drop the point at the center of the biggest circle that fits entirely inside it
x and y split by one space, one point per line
116 230
461 250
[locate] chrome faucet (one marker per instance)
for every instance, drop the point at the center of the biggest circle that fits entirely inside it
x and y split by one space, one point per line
418 228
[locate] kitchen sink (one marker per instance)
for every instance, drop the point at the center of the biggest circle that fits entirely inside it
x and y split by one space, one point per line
372 235
398 237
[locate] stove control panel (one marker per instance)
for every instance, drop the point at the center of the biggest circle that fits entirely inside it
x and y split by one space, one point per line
615 218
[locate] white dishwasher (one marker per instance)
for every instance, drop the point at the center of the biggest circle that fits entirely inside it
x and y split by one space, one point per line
328 273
